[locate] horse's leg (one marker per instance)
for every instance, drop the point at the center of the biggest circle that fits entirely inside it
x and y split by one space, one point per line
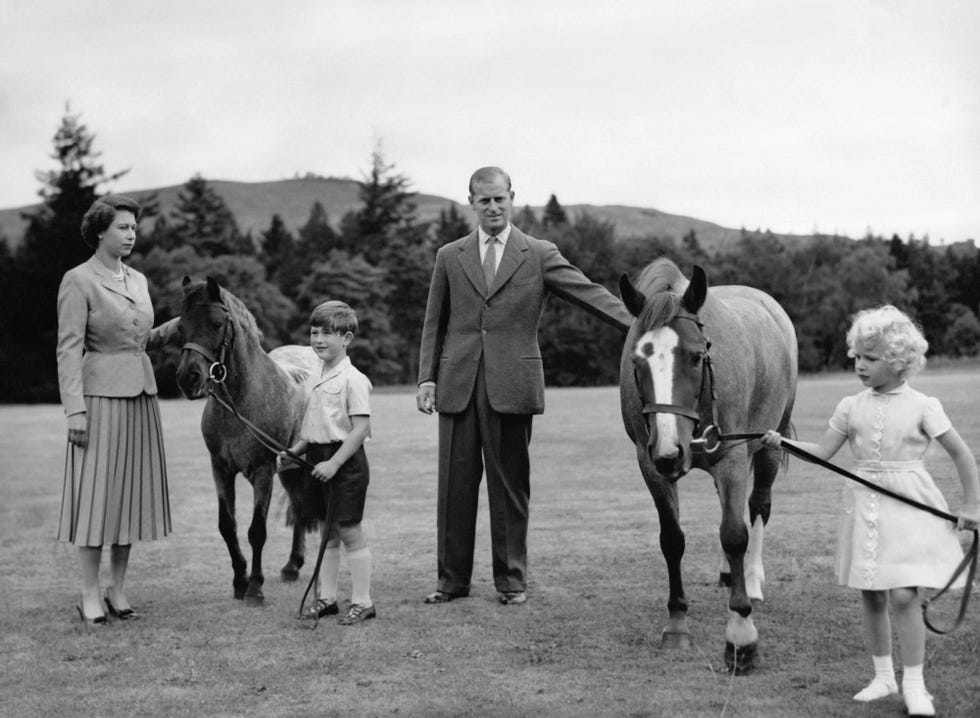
292 482
224 483
676 634
261 481
741 637
765 466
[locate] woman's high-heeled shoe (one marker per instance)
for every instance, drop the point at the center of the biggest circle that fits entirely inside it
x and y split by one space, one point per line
123 614
98 620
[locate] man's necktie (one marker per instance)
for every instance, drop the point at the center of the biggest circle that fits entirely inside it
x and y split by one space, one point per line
490 261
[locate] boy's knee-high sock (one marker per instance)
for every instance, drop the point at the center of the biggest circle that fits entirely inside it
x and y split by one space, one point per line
360 575
329 573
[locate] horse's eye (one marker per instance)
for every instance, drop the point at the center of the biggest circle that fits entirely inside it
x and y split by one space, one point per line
216 324
696 358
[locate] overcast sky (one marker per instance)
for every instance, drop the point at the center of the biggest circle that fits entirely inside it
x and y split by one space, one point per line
792 115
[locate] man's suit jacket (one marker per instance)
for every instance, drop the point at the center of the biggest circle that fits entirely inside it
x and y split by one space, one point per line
104 330
464 321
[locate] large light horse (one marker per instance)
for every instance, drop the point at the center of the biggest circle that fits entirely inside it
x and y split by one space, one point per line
694 358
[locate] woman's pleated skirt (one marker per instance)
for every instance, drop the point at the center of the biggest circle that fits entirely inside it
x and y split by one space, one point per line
115 489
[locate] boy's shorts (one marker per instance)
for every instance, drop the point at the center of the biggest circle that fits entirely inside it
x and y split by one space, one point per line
345 494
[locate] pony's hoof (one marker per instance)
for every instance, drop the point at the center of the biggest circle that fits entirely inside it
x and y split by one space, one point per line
741 659
254 600
289 573
675 639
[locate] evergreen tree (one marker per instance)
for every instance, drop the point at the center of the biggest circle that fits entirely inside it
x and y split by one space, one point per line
277 247
451 226
51 245
526 220
203 221
387 209
315 241
554 214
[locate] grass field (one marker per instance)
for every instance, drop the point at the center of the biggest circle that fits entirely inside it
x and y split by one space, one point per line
586 643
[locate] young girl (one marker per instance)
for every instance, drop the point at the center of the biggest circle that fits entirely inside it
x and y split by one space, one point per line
888 548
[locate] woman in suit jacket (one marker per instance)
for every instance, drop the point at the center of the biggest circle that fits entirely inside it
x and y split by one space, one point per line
480 368
115 484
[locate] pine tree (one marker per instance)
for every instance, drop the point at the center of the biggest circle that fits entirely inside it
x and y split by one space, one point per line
451 226
277 247
52 244
202 220
554 214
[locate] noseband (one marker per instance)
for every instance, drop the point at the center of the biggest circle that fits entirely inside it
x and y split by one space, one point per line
217 371
704 413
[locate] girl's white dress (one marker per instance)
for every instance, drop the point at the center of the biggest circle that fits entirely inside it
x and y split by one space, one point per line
885 543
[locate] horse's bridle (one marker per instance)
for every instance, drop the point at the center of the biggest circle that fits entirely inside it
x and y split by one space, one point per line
217 371
704 414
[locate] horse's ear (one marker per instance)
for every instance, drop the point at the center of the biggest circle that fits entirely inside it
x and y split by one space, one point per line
697 290
187 280
214 289
631 298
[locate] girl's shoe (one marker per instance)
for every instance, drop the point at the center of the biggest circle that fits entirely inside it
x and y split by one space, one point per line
875 690
98 620
357 613
321 608
918 702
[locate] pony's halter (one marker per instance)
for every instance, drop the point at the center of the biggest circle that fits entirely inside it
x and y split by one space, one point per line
217 371
704 412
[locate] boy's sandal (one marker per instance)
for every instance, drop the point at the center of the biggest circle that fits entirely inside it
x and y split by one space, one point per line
321 608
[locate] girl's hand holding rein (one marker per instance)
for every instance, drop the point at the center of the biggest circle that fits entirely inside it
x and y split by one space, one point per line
772 439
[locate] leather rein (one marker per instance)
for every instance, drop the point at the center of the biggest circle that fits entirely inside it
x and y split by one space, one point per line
709 440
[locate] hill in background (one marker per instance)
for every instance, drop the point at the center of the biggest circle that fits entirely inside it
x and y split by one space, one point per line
254 203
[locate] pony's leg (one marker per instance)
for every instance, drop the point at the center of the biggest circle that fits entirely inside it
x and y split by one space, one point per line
765 466
672 544
741 637
261 481
224 483
292 482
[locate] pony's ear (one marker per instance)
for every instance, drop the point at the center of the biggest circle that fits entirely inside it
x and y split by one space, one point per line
631 298
214 289
697 290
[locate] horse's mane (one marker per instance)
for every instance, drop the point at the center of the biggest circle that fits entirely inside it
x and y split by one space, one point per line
241 314
236 309
662 285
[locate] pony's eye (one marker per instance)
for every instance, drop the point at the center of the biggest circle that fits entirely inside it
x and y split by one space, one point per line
696 358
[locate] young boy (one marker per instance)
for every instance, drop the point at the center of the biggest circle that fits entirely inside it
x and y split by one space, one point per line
336 424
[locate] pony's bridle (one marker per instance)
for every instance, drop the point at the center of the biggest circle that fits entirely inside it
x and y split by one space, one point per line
704 414
217 371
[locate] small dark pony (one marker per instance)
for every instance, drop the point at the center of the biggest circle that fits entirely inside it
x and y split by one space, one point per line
673 389
223 360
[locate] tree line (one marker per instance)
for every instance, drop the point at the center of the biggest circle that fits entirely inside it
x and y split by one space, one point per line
380 258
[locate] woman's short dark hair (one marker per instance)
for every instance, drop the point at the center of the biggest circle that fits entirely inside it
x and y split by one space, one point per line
100 215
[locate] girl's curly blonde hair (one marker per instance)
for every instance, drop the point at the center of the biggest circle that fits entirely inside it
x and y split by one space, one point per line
894 332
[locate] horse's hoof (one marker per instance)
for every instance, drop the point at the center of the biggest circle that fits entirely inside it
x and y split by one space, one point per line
239 594
741 659
725 580
254 600
675 639
289 573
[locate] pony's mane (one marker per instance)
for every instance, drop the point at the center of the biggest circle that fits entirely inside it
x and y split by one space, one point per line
662 285
236 308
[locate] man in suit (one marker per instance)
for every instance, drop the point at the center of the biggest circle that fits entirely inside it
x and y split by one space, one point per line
480 369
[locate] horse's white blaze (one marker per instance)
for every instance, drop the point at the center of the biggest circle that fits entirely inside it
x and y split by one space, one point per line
656 349
755 574
740 631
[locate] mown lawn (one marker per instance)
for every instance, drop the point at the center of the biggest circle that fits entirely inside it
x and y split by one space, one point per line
586 643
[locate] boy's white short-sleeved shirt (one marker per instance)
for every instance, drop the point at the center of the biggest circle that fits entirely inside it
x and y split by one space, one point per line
335 397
